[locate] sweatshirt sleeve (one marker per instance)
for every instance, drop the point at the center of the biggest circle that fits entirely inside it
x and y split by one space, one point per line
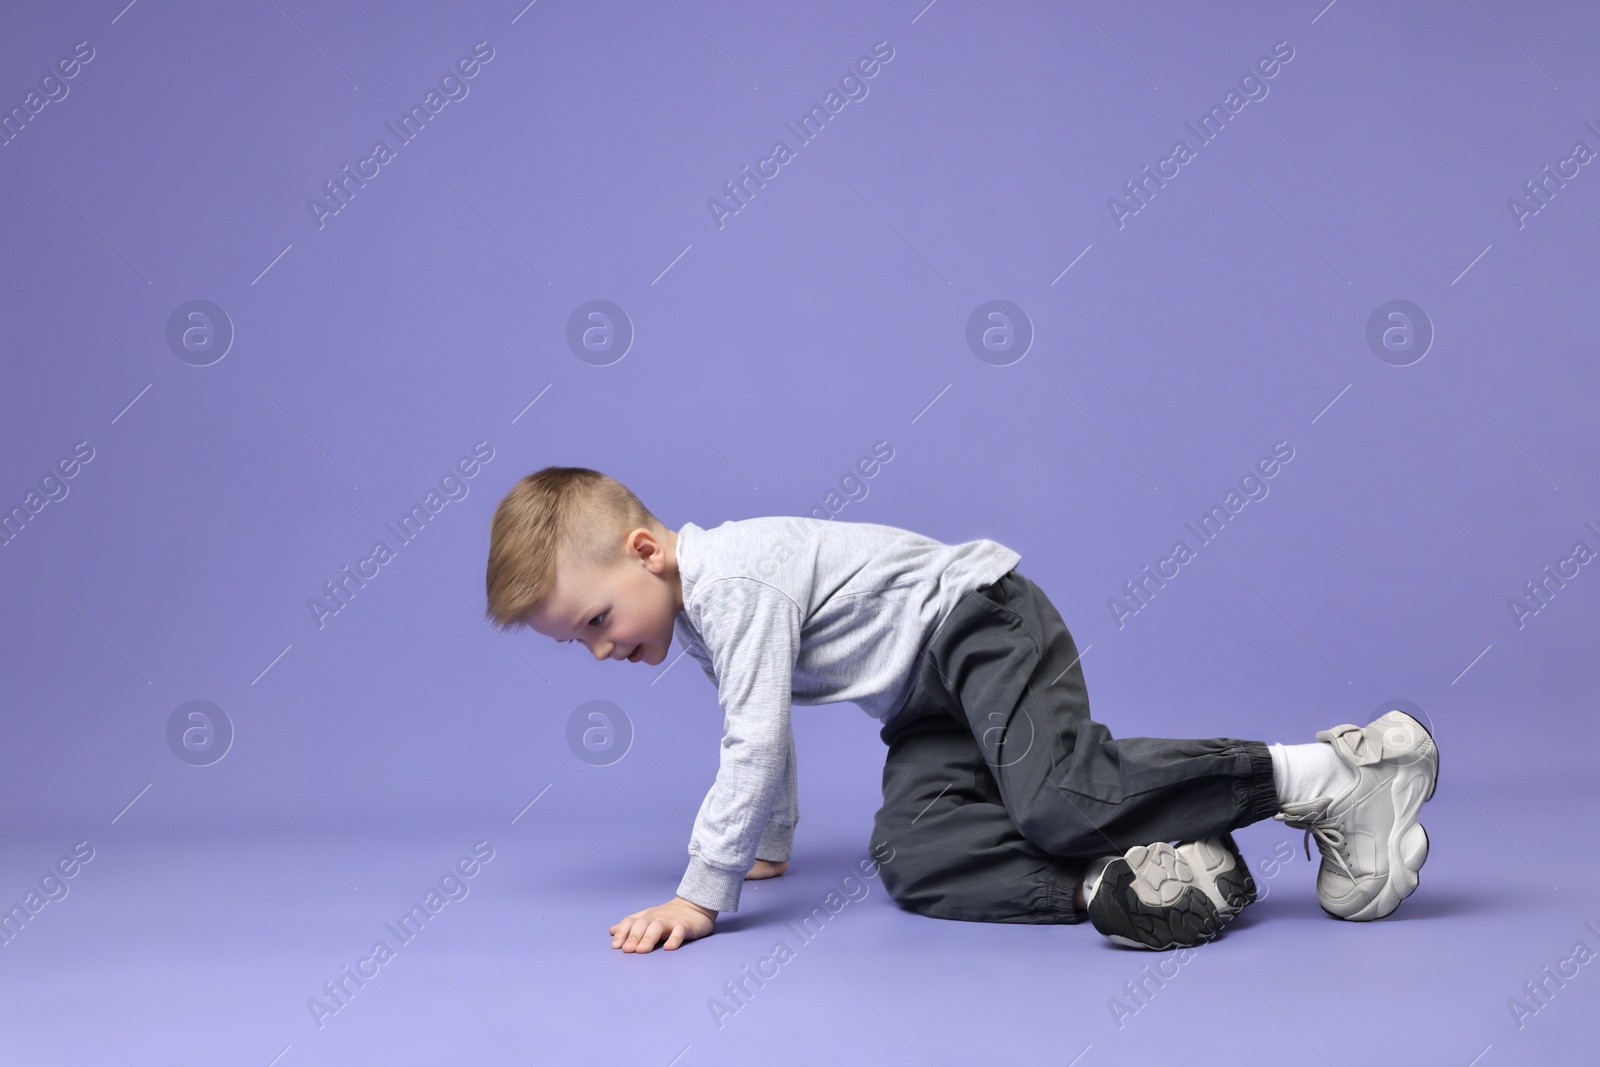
777 841
752 632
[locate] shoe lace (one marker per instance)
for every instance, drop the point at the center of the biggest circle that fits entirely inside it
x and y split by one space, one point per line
1330 839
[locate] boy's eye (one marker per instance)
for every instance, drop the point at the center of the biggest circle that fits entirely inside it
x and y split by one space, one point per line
596 620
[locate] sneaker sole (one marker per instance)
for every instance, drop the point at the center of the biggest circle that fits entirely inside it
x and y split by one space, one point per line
1408 847
1236 885
1117 912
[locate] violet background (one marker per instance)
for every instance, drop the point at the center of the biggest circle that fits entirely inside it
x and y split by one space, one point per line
770 353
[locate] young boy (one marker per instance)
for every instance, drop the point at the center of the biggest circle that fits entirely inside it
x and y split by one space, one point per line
1002 800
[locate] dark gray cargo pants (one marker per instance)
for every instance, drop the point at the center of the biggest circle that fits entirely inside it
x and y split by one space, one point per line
998 787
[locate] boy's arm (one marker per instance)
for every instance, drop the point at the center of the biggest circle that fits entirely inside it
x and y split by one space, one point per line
752 631
777 840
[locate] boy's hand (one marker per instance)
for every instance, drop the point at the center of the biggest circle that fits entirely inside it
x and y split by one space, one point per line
679 919
766 869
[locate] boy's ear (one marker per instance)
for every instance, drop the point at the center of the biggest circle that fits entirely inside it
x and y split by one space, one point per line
633 542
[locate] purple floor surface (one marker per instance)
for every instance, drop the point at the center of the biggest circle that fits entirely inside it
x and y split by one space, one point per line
214 949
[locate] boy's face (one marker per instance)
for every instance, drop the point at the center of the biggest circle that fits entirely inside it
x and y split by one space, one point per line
624 610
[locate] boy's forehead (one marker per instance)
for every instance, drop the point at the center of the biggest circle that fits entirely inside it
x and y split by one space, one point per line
576 584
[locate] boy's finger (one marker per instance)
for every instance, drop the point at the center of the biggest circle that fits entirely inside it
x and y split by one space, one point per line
636 938
679 932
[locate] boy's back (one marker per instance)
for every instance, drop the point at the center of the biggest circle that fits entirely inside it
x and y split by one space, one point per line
867 597
781 610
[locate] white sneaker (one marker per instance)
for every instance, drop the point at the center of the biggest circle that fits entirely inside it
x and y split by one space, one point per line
1371 842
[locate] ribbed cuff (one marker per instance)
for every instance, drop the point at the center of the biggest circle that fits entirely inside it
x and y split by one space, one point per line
711 887
1257 791
777 843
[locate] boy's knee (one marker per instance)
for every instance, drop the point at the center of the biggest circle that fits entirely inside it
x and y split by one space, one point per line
897 892
909 892
894 872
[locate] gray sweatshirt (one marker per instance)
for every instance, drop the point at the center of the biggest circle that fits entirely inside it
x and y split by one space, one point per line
784 610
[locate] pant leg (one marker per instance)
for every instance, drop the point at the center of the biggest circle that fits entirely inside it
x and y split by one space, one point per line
944 843
1006 659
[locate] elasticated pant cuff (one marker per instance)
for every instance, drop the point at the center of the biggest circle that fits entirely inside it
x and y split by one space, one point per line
1259 799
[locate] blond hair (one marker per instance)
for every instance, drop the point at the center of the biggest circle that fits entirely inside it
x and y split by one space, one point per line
553 516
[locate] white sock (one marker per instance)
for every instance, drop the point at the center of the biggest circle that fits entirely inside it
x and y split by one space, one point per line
1091 877
1306 772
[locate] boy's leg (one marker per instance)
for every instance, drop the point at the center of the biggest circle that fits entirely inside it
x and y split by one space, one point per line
1005 658
944 844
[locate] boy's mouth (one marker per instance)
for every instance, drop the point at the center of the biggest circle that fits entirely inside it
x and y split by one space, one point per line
633 657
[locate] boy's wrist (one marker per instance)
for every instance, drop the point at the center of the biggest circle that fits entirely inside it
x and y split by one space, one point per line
708 912
703 882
